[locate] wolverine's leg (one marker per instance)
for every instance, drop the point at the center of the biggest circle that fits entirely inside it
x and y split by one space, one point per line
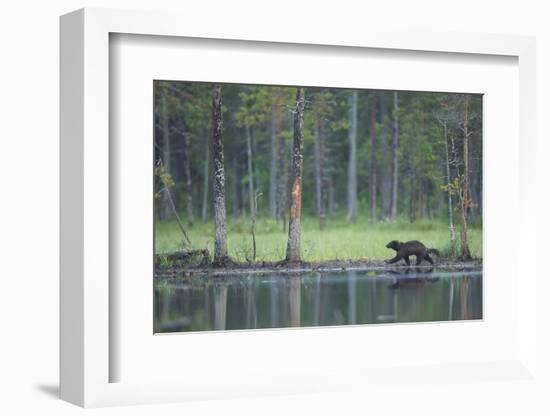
427 257
394 260
407 260
418 259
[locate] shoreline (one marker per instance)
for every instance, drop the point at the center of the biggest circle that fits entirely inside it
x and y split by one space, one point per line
305 267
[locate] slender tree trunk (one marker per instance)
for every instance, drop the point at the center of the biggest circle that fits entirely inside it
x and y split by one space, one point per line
243 189
395 146
373 159
464 249
412 214
250 170
322 214
188 180
165 210
253 228
285 155
480 189
235 188
330 195
352 160
421 204
293 248
220 241
255 175
384 171
449 195
318 150
205 198
282 200
274 163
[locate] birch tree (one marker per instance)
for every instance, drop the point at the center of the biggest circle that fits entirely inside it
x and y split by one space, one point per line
188 179
220 230
165 210
293 253
319 159
373 179
274 161
205 199
449 188
464 248
352 160
395 159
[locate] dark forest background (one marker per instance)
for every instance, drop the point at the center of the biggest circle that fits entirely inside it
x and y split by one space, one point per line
377 165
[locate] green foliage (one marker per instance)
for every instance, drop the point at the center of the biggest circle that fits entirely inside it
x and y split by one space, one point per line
164 178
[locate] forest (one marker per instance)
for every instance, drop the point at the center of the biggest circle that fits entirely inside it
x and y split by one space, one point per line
254 174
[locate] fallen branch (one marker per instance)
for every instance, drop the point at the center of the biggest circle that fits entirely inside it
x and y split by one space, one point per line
185 257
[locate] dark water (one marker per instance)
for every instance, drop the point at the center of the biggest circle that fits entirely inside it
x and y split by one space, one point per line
247 301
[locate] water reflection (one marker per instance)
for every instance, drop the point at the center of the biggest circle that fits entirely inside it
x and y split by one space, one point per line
316 299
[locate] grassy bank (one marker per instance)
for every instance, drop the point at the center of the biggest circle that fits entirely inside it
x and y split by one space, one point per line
338 240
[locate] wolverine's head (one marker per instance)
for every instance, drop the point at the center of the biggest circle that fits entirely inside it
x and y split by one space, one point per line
394 244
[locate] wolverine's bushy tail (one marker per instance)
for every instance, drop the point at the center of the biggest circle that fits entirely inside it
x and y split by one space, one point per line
433 251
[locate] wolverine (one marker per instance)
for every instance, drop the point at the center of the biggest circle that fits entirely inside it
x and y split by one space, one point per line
410 248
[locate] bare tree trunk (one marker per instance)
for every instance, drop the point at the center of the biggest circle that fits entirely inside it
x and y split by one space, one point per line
421 204
352 161
282 200
253 228
235 188
220 242
249 166
188 180
449 195
206 176
165 209
293 248
330 194
318 150
412 187
464 249
395 146
373 159
274 163
322 216
384 170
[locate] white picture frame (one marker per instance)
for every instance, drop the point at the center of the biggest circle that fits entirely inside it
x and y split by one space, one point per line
86 356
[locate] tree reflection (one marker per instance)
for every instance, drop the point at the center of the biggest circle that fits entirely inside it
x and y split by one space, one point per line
352 298
294 297
220 306
314 299
464 292
251 315
274 302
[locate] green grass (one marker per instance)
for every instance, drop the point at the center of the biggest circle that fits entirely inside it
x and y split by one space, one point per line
338 240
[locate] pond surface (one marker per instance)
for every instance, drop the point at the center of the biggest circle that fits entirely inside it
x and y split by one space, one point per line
276 300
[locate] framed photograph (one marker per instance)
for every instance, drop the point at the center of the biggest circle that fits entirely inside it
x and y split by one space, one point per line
281 213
